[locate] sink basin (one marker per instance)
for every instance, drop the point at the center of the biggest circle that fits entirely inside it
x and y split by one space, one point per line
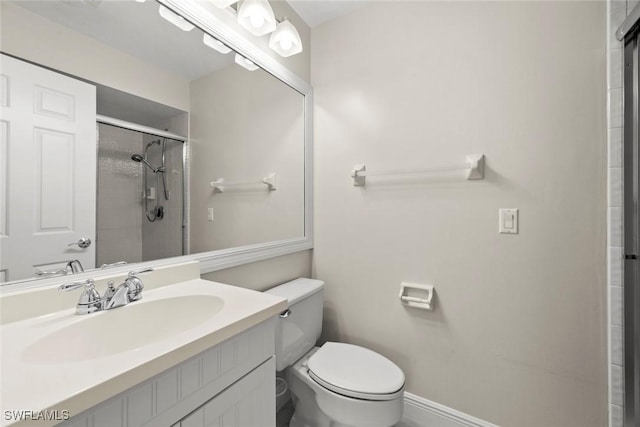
122 329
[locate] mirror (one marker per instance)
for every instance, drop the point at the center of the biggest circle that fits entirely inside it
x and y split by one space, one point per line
199 154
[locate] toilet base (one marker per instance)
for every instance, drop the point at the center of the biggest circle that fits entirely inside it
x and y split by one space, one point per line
316 406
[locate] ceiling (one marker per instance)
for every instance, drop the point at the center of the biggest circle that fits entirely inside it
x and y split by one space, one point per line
316 12
137 29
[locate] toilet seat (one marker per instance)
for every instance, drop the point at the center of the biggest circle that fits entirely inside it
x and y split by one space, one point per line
355 371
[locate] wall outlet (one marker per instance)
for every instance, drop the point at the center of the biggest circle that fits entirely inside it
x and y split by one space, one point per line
508 221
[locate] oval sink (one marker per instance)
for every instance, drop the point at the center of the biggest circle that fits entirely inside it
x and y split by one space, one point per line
123 329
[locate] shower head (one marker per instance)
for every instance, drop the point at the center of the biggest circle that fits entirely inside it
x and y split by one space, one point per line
138 158
156 142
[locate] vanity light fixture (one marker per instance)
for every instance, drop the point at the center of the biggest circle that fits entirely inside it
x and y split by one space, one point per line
175 19
141 1
223 3
285 40
245 63
257 17
215 44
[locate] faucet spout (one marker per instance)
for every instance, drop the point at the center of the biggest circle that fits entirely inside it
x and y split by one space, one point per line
119 298
75 266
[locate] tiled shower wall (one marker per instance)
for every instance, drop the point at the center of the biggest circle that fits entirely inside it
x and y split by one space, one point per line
123 231
617 11
119 226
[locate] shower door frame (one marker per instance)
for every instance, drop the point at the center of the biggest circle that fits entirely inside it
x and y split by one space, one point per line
631 229
100 119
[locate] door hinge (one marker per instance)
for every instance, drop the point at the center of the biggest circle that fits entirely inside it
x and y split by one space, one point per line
631 256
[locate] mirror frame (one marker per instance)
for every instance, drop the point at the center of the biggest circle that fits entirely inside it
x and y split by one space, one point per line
221 24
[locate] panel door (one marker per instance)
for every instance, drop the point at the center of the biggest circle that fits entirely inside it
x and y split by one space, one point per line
47 169
250 402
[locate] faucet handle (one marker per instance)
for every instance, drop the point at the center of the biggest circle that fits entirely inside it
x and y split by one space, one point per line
134 273
88 284
90 299
134 284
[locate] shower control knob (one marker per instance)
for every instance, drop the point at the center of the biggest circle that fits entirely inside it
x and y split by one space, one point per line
83 243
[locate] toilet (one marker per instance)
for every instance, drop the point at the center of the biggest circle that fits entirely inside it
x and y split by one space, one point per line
336 384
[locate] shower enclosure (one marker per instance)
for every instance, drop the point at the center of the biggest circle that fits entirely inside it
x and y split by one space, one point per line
632 224
140 200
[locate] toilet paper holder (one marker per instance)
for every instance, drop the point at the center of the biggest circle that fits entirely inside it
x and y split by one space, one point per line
417 295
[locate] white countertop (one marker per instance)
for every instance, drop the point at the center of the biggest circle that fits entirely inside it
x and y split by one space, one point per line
47 384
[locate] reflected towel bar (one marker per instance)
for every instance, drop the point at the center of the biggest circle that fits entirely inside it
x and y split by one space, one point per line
219 184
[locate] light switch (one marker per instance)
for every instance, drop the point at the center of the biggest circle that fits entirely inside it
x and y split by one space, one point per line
508 221
210 214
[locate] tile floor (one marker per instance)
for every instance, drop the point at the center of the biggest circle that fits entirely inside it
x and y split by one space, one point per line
284 415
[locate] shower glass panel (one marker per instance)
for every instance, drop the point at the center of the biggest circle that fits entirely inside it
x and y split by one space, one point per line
140 212
631 230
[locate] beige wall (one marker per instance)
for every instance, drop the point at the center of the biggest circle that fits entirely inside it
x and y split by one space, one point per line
518 334
245 125
265 274
34 38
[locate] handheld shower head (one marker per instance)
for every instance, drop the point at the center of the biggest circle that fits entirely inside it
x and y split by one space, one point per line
138 158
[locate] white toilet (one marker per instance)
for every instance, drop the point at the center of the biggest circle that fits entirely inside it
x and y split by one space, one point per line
336 384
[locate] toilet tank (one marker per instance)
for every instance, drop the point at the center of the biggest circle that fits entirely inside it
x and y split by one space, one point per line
298 332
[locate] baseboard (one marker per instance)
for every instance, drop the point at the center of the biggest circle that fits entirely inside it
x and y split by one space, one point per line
431 414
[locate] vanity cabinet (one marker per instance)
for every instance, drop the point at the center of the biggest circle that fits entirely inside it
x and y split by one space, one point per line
248 402
230 384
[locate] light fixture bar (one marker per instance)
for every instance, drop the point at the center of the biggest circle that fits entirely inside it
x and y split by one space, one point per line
223 3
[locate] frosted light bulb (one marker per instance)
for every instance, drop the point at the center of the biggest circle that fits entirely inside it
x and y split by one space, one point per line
257 20
285 39
286 43
256 16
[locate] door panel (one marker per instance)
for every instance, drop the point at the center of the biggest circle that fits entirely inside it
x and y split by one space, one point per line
48 165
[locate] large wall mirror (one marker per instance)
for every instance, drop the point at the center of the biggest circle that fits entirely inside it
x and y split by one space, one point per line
126 139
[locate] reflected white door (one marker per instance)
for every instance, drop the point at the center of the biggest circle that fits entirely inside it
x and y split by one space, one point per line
47 169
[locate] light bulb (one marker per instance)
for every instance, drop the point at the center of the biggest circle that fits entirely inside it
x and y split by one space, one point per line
257 17
286 43
285 39
257 20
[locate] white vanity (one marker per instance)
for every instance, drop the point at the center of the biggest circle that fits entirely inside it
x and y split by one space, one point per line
190 350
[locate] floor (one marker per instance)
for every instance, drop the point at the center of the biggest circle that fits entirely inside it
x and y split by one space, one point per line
284 415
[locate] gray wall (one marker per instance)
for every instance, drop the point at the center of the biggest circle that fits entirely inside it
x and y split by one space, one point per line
518 336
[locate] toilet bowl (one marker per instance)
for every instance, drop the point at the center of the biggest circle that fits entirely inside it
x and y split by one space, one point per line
336 384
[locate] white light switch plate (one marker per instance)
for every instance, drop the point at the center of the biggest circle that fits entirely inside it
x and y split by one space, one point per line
508 221
210 214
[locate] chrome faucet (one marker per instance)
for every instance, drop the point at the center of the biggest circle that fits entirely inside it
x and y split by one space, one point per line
75 266
90 300
129 291
72 267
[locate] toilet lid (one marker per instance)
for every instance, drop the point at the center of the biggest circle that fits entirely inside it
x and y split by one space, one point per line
355 371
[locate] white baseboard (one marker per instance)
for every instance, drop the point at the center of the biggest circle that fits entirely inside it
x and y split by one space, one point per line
431 414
